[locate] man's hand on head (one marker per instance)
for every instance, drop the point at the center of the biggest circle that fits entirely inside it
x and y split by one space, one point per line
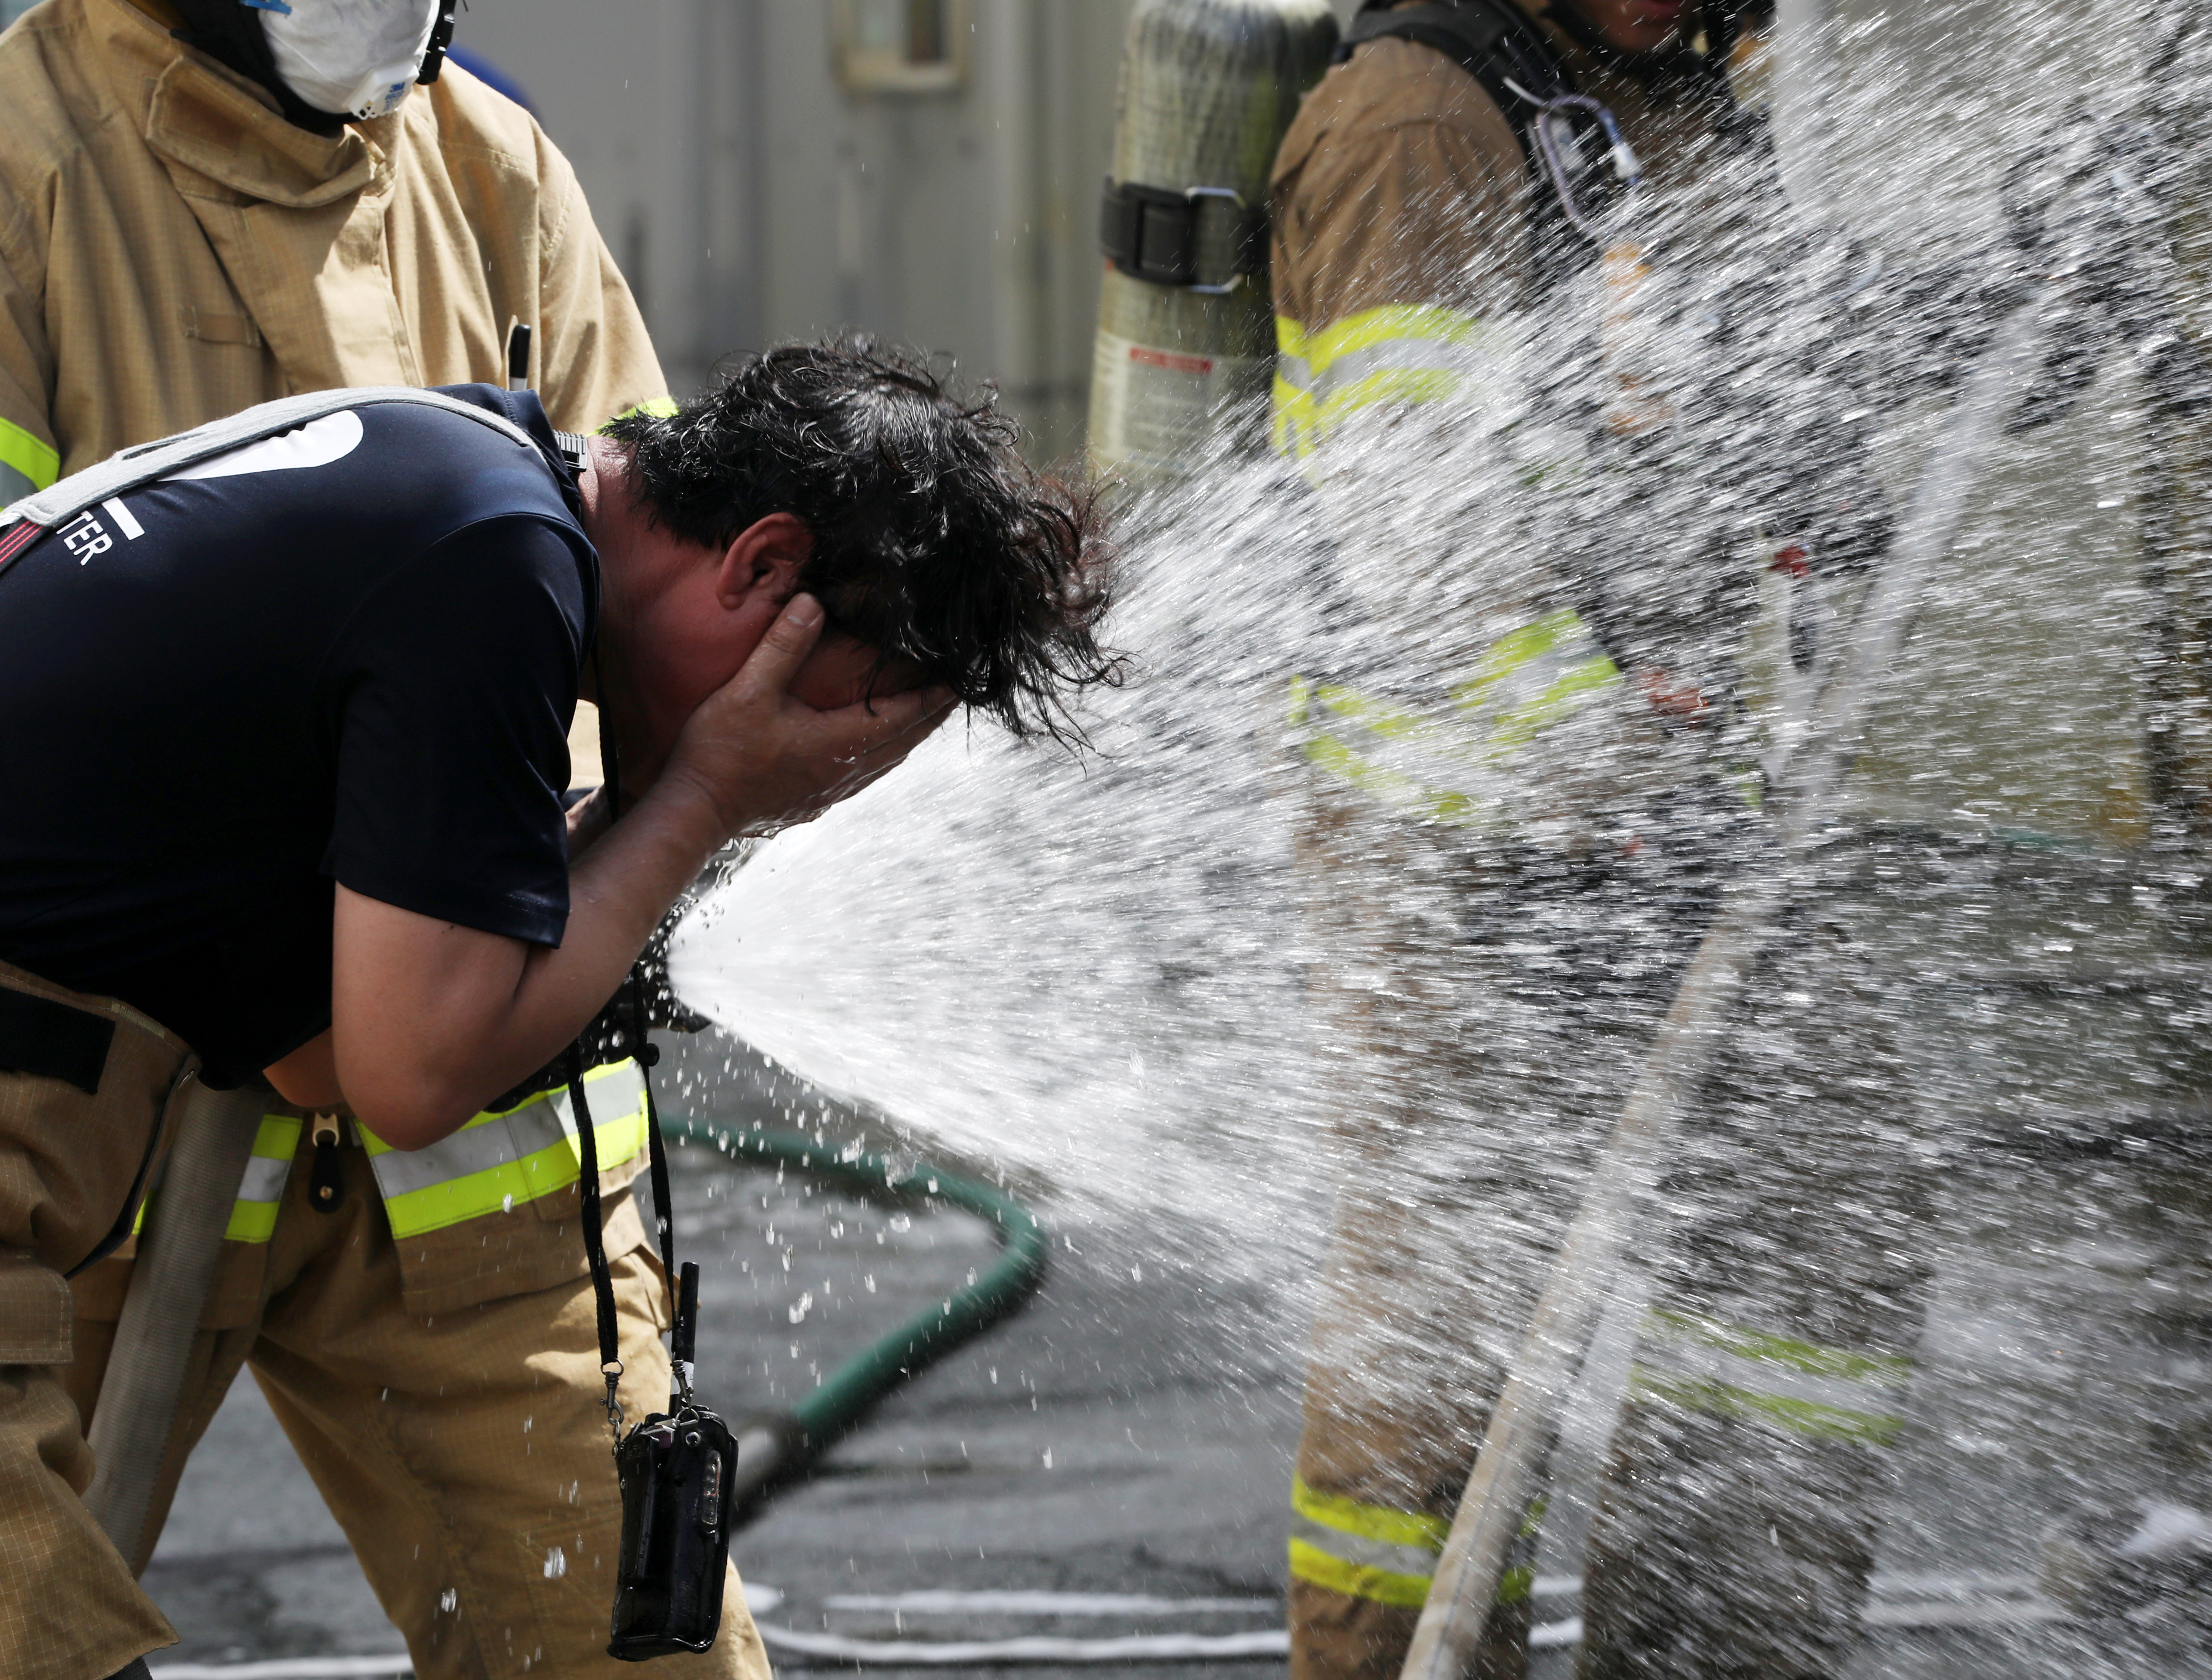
761 760
430 1020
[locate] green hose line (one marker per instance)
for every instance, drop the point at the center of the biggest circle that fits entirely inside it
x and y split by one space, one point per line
848 1392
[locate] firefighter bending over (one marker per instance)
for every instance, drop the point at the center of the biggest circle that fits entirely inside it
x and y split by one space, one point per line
200 212
292 808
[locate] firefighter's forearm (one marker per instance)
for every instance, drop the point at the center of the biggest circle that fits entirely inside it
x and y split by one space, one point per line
430 1020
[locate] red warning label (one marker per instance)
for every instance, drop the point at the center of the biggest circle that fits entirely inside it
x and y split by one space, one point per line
1147 357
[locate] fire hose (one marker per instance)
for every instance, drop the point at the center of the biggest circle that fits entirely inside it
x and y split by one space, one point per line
773 1447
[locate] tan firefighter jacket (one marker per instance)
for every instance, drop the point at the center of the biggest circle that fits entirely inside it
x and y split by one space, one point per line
1399 218
173 251
1405 287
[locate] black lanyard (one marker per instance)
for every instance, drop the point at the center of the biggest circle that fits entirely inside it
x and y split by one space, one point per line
647 1054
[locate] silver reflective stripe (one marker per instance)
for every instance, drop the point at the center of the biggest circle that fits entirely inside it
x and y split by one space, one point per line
265 1179
507 1138
1359 1549
1392 356
1707 1365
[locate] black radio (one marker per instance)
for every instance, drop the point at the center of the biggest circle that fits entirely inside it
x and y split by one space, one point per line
676 1470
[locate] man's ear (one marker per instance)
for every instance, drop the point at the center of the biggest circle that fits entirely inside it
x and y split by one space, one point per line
767 555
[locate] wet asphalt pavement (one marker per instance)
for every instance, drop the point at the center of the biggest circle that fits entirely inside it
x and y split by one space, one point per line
1127 1433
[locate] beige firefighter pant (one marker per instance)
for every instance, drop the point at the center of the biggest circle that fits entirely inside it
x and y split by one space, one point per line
465 1454
1472 1085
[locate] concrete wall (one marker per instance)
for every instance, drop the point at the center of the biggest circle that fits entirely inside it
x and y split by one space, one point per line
751 197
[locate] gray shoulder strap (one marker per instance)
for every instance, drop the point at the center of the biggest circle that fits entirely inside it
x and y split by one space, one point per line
143 463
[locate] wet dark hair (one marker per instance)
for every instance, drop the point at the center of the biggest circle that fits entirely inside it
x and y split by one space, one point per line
934 539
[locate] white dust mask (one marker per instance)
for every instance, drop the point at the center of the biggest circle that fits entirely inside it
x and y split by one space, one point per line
350 57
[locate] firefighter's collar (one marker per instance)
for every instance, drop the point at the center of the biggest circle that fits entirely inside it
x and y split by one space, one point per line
193 111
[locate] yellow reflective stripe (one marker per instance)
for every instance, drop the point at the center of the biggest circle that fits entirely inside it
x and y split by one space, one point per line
498 1189
1385 384
1302 421
1371 328
31 456
1512 650
661 408
1369 1522
1705 1364
251 1222
1381 1553
1356 1581
1798 1417
1307 403
1294 422
277 1137
253 1216
1521 725
1390 787
525 1177
1810 1357
1381 719
1308 1562
1478 746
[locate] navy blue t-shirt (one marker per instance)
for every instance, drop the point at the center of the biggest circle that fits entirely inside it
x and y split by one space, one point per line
349 653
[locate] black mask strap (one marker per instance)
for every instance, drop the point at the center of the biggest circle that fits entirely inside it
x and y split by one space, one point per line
229 32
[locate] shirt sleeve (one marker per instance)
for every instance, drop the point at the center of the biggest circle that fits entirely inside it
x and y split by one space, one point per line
598 360
450 695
